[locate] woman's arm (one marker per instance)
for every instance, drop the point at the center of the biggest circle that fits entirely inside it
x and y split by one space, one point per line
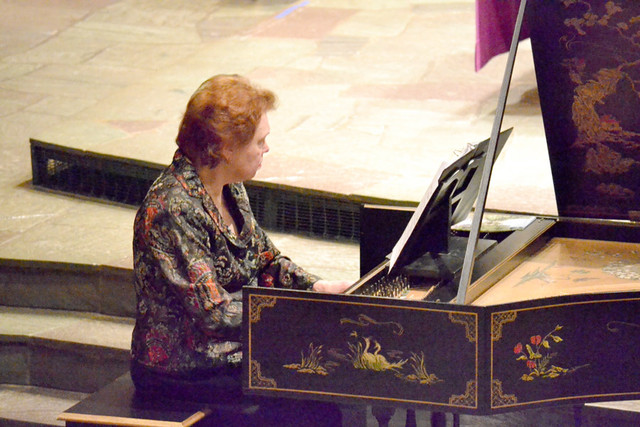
331 287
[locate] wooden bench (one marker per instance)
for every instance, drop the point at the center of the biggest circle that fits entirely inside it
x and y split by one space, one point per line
118 405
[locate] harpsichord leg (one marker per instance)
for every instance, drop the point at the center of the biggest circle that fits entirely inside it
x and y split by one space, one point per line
383 414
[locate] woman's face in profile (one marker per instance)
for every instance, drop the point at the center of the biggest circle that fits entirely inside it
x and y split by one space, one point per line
246 159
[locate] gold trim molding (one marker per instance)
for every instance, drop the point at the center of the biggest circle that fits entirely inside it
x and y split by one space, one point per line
257 380
500 319
256 304
498 398
468 399
469 320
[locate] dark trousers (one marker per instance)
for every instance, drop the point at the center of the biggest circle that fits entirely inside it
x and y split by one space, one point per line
222 389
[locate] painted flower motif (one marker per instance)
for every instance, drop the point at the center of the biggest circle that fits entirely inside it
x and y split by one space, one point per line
538 355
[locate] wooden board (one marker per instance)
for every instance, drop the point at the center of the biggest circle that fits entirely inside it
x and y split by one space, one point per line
567 266
117 404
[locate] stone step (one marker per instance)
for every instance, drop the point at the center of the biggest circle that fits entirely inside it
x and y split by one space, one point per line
66 350
67 286
22 406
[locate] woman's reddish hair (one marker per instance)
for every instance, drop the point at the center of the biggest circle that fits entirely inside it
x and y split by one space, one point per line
226 109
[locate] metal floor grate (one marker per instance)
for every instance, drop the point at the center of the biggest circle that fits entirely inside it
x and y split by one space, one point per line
126 181
91 175
305 213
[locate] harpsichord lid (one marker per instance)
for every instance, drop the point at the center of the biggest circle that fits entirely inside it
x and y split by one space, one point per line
587 60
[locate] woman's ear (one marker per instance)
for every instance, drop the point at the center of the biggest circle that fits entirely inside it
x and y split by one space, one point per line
226 153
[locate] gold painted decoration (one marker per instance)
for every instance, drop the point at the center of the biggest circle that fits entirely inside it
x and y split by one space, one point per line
469 320
419 374
468 398
594 129
500 319
602 63
366 353
615 326
256 305
257 380
364 320
498 398
310 363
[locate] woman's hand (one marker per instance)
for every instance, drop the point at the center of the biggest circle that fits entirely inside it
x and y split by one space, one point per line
331 286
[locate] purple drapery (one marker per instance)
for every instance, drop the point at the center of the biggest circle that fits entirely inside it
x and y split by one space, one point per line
495 20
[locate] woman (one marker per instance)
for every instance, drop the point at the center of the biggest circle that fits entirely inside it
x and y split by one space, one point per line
196 244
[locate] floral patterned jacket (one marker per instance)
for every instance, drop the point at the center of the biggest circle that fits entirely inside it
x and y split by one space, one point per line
189 273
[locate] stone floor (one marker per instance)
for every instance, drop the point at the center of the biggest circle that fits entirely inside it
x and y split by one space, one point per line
374 95
34 404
